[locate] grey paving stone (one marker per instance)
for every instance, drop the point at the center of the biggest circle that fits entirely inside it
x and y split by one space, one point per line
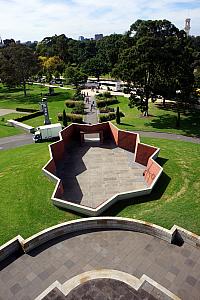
191 280
15 288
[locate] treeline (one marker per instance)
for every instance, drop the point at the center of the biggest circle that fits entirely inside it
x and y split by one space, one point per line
153 56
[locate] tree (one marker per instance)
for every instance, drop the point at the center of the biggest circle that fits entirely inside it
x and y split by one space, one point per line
18 63
74 76
117 115
160 60
64 118
95 67
52 65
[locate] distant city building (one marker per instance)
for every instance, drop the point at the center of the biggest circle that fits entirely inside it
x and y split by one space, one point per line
187 26
81 38
1 42
98 37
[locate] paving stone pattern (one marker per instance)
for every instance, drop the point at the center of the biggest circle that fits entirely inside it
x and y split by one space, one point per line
131 252
93 173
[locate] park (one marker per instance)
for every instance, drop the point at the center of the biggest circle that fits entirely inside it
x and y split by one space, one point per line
128 159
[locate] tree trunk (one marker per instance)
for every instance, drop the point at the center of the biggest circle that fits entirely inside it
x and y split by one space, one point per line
24 88
164 103
178 119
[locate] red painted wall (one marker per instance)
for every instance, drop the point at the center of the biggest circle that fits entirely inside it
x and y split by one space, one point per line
143 153
114 133
67 134
151 172
60 191
57 150
127 140
51 167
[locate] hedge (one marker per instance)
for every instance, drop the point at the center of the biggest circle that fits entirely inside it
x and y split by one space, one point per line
102 103
72 103
107 117
71 118
106 109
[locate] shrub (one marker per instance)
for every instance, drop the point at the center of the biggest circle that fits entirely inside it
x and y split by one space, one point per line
78 96
71 118
107 117
102 103
107 109
79 108
117 116
72 103
64 118
104 95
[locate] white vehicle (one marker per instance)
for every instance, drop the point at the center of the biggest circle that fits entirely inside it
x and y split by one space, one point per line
47 132
109 85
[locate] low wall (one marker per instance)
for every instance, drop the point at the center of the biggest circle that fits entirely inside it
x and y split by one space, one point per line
13 246
143 153
127 140
20 125
77 226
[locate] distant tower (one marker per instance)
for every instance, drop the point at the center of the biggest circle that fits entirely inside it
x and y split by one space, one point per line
187 26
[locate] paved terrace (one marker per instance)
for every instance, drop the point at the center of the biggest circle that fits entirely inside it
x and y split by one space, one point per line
175 268
93 173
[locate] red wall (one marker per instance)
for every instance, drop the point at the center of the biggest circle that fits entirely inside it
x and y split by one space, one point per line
60 191
127 140
114 133
67 134
143 153
57 150
151 172
51 167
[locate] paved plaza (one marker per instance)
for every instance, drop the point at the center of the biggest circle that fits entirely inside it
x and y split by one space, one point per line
93 173
175 268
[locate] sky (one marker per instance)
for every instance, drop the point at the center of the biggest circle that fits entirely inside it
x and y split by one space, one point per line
36 19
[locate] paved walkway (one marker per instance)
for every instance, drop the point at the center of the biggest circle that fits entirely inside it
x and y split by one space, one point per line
5 111
93 173
176 268
169 136
91 113
15 141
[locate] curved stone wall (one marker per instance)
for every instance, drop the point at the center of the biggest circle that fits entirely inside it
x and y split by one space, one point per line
175 235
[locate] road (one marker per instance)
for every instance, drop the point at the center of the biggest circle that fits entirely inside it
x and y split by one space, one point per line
15 141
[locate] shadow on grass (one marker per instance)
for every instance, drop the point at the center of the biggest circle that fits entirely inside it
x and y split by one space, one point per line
189 125
127 125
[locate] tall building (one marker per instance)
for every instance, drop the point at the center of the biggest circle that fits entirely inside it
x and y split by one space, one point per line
187 26
81 38
98 37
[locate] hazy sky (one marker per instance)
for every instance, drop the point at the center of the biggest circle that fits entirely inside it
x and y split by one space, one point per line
36 19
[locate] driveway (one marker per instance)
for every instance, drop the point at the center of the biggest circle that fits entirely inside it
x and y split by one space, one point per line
15 141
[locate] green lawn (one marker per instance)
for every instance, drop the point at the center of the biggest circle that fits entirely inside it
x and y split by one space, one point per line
26 207
15 98
160 119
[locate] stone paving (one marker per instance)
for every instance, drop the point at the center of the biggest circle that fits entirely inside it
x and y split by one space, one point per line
175 268
93 173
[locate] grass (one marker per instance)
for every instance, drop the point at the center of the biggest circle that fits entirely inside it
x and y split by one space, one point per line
25 198
26 207
160 119
15 98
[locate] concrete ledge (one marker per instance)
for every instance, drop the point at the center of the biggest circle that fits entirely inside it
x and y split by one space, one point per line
97 223
11 247
20 125
126 278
